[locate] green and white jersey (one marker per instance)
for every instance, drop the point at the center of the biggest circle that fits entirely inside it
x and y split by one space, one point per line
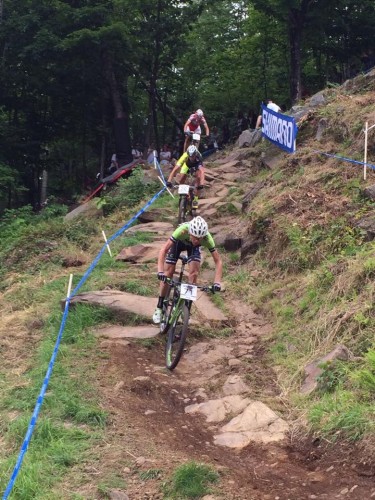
182 234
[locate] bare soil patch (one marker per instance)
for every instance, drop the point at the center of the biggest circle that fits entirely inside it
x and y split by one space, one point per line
147 403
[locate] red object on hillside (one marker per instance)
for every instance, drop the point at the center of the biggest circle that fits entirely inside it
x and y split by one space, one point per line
110 179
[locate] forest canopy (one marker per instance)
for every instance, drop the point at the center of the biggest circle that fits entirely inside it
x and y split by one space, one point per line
81 79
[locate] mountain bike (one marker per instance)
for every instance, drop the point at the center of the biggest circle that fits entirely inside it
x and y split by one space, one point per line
176 314
185 204
194 139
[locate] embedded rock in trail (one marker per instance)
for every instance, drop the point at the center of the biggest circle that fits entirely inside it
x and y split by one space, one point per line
256 423
234 385
216 410
230 241
205 354
205 203
152 227
154 215
127 332
124 302
207 309
220 191
121 302
229 167
145 252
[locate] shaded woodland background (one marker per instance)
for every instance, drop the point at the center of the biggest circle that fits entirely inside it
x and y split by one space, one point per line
82 79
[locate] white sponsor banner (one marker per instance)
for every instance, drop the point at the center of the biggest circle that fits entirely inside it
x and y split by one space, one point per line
279 129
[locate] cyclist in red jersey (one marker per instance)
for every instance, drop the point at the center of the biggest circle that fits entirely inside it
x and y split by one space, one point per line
193 126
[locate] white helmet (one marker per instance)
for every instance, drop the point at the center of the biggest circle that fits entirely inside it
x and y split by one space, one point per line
192 150
199 112
198 227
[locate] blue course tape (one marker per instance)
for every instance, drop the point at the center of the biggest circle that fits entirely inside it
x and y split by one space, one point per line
40 399
113 237
346 159
38 405
160 170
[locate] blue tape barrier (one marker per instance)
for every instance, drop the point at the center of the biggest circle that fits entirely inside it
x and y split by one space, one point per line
38 405
40 399
346 159
159 169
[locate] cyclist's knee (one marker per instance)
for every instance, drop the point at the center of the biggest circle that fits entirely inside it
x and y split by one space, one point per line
169 270
193 274
169 274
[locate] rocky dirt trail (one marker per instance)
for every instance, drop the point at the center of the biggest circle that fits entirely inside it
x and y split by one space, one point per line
221 405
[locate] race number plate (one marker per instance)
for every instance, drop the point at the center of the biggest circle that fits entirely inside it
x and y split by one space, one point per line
188 292
196 137
183 189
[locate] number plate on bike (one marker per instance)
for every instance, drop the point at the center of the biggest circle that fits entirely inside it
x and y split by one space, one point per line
188 292
183 189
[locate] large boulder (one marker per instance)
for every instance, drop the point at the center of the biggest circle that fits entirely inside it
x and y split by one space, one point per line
313 370
367 224
88 210
249 138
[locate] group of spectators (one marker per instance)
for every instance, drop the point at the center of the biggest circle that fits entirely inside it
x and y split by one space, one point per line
214 139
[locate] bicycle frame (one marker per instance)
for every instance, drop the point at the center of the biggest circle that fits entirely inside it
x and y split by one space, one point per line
186 204
176 314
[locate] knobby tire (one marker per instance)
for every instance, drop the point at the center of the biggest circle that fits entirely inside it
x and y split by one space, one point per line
176 338
193 211
182 209
167 308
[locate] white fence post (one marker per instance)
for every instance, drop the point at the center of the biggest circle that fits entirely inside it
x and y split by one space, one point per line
367 128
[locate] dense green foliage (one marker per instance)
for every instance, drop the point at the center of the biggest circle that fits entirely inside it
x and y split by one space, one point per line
68 69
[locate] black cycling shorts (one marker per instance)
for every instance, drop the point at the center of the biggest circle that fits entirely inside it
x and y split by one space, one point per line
194 253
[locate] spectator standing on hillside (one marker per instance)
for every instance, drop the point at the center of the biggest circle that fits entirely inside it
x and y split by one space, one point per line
114 164
137 152
165 155
242 123
150 155
271 105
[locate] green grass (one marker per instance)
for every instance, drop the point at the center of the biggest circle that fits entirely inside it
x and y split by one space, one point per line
212 332
114 481
71 420
148 474
340 415
191 480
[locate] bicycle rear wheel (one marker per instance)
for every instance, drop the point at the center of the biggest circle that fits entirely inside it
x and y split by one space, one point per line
177 337
182 209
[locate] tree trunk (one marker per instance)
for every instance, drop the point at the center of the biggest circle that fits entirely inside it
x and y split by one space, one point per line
121 117
43 191
295 34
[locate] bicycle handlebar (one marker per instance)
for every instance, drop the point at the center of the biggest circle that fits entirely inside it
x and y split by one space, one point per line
175 186
204 288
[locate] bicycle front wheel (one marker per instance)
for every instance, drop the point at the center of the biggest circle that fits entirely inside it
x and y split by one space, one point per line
166 311
182 210
177 337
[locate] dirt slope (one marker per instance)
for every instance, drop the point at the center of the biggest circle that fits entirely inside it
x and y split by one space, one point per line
151 429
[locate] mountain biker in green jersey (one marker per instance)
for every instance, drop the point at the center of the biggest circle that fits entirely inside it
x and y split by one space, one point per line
189 236
190 162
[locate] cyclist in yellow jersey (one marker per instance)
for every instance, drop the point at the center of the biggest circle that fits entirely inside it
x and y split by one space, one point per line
189 236
190 162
